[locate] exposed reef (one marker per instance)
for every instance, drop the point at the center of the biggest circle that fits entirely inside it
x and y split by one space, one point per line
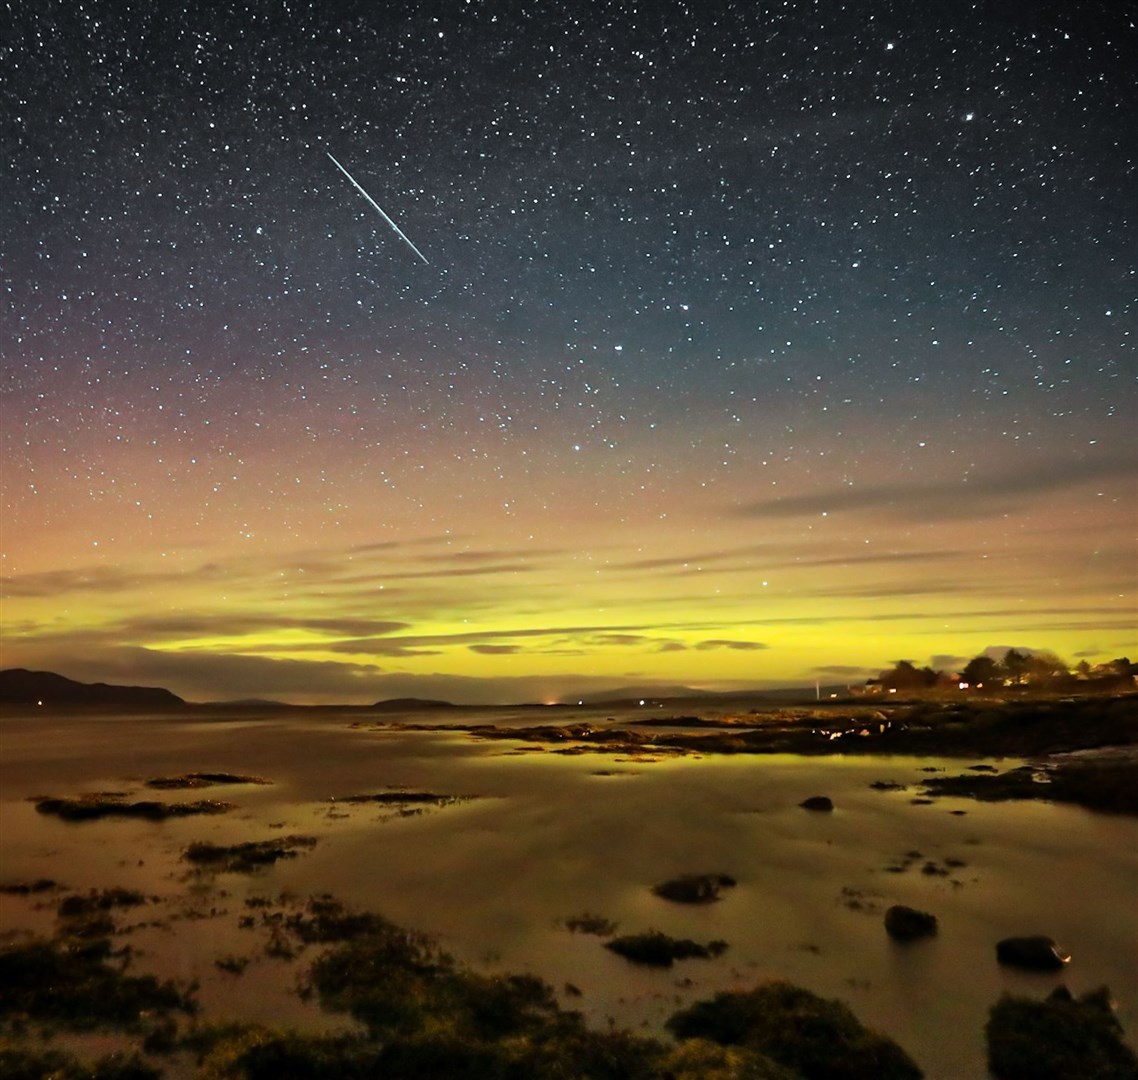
657 949
202 779
1109 786
114 804
694 888
248 857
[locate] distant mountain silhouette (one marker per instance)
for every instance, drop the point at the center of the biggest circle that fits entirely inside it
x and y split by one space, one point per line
411 704
18 686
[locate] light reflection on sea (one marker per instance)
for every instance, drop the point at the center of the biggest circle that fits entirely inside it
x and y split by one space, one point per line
550 837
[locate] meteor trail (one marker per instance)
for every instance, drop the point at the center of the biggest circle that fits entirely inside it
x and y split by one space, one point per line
399 231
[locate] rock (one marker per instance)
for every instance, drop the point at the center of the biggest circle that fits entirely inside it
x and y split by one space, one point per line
908 924
818 802
1036 953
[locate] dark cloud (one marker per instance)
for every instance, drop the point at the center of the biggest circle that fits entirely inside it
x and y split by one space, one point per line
766 558
728 643
145 629
495 650
969 497
620 639
947 662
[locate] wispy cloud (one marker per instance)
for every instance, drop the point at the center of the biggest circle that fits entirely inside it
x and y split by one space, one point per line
972 496
728 643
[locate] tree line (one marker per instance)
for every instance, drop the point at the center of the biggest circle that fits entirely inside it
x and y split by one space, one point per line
1016 668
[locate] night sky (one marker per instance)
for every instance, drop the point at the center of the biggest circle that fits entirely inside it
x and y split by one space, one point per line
756 343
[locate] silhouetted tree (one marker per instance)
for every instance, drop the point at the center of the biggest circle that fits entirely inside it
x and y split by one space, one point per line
982 671
1046 667
905 675
1016 665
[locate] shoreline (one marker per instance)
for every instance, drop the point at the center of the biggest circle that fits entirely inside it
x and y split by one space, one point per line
491 846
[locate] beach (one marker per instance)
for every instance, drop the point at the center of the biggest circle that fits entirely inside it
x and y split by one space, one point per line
490 846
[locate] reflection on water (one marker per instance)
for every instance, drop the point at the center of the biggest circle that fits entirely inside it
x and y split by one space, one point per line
551 836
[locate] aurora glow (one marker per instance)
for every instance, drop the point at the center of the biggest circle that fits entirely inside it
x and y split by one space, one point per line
758 345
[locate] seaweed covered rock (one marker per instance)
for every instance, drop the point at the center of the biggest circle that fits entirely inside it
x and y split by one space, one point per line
20 1063
92 807
818 1038
700 1059
657 949
694 888
563 1049
74 985
1034 953
908 924
1058 1039
248 857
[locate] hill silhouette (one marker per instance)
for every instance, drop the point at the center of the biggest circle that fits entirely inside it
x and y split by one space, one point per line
18 686
410 704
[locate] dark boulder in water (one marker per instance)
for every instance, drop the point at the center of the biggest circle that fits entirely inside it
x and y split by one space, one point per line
818 802
1036 953
908 924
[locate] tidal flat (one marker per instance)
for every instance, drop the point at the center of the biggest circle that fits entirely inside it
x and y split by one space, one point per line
491 847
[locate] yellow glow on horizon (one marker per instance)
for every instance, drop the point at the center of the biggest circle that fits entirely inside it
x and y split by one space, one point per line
701 595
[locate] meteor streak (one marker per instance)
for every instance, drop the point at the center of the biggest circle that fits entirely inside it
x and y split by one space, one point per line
402 235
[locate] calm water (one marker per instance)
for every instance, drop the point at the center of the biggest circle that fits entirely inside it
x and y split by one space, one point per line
549 837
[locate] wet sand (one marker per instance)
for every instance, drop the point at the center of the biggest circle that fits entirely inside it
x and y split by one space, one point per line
544 837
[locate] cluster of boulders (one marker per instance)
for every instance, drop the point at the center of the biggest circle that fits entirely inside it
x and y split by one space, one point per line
1032 953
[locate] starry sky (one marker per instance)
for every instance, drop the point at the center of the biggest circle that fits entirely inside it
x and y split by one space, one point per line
751 344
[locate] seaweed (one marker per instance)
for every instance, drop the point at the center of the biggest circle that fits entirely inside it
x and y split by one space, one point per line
112 804
202 779
819 1039
404 797
657 949
245 858
694 888
73 985
588 923
18 1063
327 920
1058 1038
82 905
31 888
